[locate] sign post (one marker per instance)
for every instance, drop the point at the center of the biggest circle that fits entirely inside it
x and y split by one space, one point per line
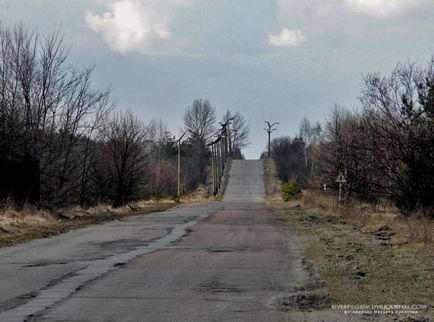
340 179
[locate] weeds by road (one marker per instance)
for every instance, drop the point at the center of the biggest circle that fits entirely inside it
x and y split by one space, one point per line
362 256
30 223
22 224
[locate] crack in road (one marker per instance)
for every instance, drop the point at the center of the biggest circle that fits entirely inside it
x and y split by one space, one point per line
64 288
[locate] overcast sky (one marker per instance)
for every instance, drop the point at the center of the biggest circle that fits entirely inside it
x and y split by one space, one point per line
276 60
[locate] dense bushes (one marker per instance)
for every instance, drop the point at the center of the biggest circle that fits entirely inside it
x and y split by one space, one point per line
49 114
289 155
386 148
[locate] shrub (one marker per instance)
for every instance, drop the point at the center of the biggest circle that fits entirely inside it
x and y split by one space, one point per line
158 196
176 197
289 190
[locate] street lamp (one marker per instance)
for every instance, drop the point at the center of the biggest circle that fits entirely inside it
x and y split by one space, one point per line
226 134
214 163
179 161
269 130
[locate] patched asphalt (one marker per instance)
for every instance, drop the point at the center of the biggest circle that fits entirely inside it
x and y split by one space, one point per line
216 261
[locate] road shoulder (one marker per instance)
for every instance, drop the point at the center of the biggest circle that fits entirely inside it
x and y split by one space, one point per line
346 266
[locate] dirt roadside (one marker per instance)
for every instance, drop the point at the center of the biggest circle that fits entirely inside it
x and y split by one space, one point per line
359 263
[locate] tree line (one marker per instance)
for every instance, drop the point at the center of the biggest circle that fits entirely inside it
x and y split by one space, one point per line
385 147
62 142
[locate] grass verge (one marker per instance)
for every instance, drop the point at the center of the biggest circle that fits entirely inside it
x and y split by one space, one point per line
29 223
363 255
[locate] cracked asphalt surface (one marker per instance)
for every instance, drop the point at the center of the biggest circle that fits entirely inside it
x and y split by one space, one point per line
216 261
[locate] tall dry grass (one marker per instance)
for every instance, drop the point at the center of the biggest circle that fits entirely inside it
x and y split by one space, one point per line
19 224
13 219
273 186
411 231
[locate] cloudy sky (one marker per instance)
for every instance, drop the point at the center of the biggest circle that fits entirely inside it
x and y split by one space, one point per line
276 60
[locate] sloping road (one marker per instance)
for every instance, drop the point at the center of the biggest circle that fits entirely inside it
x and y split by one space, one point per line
221 261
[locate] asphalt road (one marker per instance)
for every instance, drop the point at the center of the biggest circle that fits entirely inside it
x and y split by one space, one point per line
220 261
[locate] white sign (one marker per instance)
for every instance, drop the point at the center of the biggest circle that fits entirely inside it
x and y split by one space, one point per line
341 178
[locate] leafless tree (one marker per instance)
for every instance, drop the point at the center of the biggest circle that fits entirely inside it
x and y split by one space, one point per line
238 133
399 110
123 153
311 135
53 105
289 156
386 148
200 119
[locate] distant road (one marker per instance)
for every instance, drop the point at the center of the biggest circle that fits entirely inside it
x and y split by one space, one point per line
220 261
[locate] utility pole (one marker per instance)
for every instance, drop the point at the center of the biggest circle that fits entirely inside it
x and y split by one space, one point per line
269 130
225 134
217 163
179 162
213 168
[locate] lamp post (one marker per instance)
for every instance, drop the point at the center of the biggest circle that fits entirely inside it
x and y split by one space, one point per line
213 168
179 161
215 164
269 130
225 134
218 154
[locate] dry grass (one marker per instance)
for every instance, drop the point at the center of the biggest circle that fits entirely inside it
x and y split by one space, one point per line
12 220
410 232
273 187
202 193
29 223
321 202
364 254
356 266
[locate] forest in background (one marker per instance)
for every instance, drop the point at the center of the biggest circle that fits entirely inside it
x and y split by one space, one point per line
64 143
384 148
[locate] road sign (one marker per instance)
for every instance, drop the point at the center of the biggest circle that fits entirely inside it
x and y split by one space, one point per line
341 178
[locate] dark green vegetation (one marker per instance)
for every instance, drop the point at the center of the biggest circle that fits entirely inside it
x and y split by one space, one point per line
289 190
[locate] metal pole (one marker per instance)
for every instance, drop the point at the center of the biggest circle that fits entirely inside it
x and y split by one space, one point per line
217 166
219 162
269 130
222 146
179 163
229 139
212 168
226 146
179 167
340 195
269 134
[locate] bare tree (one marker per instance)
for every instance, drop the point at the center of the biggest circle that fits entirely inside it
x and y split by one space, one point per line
400 116
54 107
124 156
385 150
238 133
163 177
200 119
311 135
290 158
